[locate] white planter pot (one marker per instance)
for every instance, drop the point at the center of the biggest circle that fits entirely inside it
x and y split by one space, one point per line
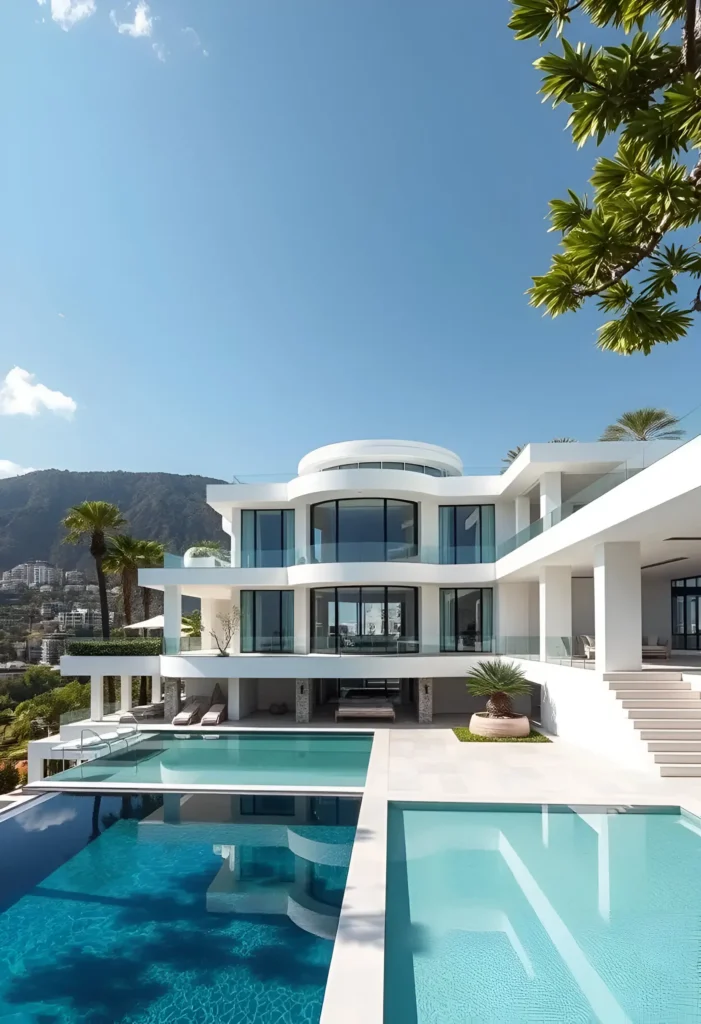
482 725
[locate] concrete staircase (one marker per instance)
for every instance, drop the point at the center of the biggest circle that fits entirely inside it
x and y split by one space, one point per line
667 713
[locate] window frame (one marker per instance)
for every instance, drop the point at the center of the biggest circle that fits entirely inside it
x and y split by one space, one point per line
336 503
453 546
287 643
286 554
484 646
414 639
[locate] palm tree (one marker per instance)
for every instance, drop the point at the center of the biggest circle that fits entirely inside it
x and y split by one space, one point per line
498 681
123 559
192 624
151 557
96 520
563 440
644 425
511 455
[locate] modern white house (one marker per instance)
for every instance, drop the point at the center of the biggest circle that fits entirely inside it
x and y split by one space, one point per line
381 568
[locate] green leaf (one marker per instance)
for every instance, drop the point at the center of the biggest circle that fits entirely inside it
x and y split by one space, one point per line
645 323
538 17
566 215
555 290
616 298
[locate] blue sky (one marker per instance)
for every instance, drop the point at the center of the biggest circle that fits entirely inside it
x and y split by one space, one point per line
274 224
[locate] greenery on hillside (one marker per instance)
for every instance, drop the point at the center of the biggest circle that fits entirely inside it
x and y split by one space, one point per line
158 506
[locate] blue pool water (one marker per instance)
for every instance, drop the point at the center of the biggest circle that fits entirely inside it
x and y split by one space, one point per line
112 910
529 915
231 759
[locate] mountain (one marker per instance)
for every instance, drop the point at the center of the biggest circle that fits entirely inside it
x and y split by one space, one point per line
157 506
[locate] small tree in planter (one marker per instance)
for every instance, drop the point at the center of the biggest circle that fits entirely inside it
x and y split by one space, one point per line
500 682
229 628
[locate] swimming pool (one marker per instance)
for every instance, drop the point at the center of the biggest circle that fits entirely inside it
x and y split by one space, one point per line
229 759
220 909
532 914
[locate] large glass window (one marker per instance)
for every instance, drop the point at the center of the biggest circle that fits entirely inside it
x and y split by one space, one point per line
267 537
686 614
267 621
364 620
364 530
466 619
466 534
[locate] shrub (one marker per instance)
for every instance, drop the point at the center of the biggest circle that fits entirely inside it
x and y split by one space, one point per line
9 777
148 645
22 770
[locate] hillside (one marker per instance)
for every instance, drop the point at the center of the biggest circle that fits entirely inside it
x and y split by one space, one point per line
158 506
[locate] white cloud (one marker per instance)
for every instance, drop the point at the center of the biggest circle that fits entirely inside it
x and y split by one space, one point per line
142 25
20 396
38 819
192 34
8 469
160 51
68 13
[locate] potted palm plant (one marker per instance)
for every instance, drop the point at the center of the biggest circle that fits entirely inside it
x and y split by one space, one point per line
500 682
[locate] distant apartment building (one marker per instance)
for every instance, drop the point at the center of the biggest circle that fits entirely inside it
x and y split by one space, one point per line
34 574
81 618
52 647
75 577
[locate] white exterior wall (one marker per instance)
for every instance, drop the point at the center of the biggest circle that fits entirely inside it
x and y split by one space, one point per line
583 606
618 606
657 609
513 609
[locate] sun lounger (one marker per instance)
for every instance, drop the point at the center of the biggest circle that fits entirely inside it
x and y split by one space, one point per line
215 715
192 711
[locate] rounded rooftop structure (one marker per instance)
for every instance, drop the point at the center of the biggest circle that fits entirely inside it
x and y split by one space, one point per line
415 456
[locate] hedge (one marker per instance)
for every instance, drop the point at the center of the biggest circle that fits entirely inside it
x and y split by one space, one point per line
114 648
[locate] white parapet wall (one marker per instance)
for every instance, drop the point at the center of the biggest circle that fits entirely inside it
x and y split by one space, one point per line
579 706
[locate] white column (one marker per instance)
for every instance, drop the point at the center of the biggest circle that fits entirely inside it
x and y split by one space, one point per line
550 494
512 619
429 631
235 519
125 693
233 710
523 512
618 606
555 593
429 531
172 619
156 692
97 699
302 614
35 760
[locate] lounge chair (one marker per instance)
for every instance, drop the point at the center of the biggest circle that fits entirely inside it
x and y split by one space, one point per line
654 647
215 715
589 647
192 711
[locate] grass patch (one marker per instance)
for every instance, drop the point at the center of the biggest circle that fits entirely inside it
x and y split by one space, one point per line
465 736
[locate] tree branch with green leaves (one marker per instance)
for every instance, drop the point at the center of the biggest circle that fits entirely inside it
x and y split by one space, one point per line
618 248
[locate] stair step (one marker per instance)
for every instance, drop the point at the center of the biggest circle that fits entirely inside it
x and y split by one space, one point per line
647 685
689 695
678 757
683 703
679 770
652 675
660 714
683 734
670 746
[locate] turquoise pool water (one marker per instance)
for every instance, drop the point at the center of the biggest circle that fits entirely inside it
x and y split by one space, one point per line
110 914
231 759
520 916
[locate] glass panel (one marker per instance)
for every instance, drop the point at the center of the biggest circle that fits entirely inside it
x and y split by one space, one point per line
447 620
248 532
402 531
402 619
690 582
487 621
246 621
430 471
413 467
348 616
361 530
370 465
268 537
488 542
270 806
268 636
678 615
393 465
691 616
288 536
467 534
324 532
446 534
373 616
469 621
324 619
288 623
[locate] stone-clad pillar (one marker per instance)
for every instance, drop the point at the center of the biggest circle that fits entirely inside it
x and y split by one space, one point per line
304 700
171 698
425 701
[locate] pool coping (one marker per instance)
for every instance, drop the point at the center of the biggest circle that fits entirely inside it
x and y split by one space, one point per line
162 787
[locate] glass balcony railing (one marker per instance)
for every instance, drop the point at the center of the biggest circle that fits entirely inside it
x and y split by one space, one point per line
345 553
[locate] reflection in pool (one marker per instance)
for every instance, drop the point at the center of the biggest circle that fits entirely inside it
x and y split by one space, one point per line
161 910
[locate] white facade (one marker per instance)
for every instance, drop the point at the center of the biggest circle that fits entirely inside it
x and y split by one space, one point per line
381 561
